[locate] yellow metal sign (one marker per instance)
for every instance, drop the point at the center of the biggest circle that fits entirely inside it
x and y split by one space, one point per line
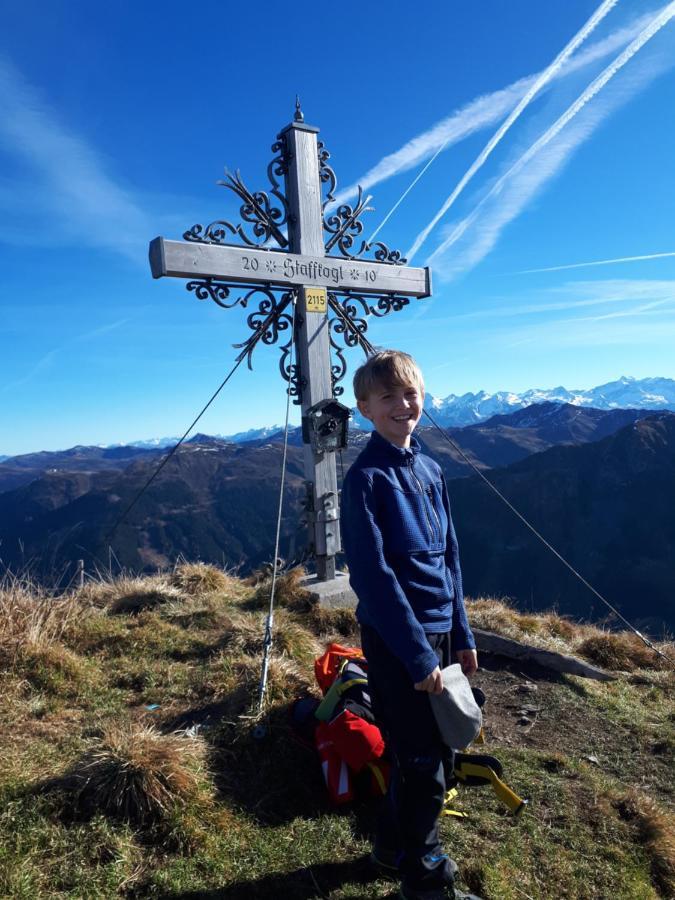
316 300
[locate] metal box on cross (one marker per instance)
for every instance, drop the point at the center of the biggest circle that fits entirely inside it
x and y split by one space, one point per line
297 246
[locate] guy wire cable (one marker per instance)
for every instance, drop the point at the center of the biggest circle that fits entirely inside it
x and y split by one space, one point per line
269 624
248 346
369 350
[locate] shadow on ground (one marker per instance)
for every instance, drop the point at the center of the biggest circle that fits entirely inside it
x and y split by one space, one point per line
274 777
302 884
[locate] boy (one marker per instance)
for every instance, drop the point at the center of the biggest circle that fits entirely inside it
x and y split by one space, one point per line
404 567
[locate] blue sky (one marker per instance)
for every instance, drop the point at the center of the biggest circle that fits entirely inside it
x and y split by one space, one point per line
117 120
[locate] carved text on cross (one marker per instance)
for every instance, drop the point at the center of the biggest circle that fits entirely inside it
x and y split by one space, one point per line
234 264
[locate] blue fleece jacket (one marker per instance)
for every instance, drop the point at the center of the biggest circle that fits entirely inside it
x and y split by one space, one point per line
402 552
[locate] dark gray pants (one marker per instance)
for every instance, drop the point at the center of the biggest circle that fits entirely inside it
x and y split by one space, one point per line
408 820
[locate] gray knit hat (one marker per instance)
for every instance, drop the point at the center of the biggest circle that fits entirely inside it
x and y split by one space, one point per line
458 715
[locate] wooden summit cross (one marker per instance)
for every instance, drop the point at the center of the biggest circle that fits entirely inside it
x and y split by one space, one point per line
285 257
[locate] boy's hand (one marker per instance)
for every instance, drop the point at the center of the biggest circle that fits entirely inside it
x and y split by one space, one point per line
468 660
432 683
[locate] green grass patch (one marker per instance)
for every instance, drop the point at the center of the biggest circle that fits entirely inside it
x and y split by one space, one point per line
247 817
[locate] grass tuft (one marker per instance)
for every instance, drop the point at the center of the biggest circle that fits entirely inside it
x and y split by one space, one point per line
547 630
656 831
621 652
130 596
31 617
618 651
288 592
292 639
334 624
52 668
200 578
137 774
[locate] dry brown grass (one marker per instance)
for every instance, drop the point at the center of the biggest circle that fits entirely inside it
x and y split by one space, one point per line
292 639
621 651
287 681
547 630
243 633
656 831
200 578
234 682
288 591
31 617
129 596
617 651
138 774
333 624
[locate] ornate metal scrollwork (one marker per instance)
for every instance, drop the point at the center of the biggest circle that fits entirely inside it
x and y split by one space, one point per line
343 224
258 209
386 303
326 175
350 323
291 374
218 291
267 321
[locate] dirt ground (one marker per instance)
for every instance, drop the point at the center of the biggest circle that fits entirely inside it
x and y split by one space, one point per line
527 706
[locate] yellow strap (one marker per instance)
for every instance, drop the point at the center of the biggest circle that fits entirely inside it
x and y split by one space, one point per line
345 685
451 794
325 709
503 791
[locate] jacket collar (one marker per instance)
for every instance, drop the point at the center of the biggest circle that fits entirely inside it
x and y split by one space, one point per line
383 448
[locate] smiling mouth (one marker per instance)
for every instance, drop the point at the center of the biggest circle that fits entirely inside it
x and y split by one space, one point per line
402 418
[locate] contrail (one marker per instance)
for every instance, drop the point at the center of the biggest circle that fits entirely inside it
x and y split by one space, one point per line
594 88
597 262
525 101
481 112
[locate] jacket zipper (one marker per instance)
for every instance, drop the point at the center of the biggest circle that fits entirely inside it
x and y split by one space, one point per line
433 509
423 493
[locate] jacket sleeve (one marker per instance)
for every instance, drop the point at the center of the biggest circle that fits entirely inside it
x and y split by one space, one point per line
462 636
384 603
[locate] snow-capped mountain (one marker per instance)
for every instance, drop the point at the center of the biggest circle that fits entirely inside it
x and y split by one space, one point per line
240 437
625 393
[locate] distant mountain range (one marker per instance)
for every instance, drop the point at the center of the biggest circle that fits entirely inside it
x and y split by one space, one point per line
626 393
598 483
607 506
458 411
240 437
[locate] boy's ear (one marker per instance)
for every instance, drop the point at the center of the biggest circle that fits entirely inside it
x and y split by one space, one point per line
362 406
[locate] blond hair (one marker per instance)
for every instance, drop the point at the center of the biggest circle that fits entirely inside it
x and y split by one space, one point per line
387 368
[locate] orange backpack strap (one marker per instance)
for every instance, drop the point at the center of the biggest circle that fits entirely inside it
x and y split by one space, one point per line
327 666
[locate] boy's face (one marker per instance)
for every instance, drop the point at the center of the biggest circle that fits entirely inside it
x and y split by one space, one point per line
394 410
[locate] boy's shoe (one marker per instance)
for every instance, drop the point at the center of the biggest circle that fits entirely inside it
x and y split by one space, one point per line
388 862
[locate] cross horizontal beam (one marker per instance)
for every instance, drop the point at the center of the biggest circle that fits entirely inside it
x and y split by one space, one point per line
183 259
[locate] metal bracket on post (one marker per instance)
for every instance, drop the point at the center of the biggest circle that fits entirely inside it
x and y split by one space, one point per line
326 520
309 516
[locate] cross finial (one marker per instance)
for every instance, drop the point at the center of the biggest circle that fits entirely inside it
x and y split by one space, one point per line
298 117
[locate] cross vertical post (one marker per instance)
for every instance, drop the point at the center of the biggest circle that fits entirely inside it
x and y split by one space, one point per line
305 235
337 283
